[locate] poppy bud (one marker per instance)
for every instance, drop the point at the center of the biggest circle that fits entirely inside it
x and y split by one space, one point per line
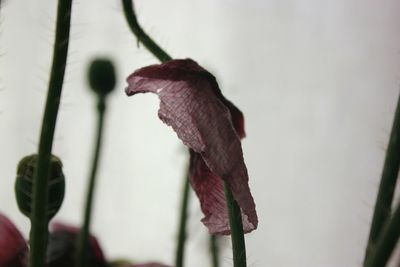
24 185
102 76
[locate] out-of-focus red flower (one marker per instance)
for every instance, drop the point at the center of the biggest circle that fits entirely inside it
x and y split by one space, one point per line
13 247
211 126
146 265
62 247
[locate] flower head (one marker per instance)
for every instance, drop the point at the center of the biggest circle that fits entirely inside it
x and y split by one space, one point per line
211 126
13 247
60 251
146 265
62 247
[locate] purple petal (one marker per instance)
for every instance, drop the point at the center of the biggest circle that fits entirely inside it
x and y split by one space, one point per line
209 189
13 247
192 104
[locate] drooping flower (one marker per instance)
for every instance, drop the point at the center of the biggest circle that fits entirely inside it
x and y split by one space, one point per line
211 126
13 247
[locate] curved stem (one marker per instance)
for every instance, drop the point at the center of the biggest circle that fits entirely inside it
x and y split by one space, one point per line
161 55
180 249
386 242
388 183
84 234
39 220
214 250
142 35
237 234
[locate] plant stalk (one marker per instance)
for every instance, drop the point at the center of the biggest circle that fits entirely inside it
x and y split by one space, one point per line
140 34
82 259
39 220
386 242
387 185
237 234
214 250
161 55
180 248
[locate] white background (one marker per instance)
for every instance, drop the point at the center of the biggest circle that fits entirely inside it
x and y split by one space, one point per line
317 81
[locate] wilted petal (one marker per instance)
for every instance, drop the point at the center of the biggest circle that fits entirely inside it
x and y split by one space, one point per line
13 247
192 103
61 250
210 190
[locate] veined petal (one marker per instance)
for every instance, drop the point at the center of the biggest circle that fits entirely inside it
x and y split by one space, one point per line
192 104
209 189
13 247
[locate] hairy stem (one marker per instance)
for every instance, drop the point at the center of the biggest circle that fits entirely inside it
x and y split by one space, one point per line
161 55
237 234
84 234
140 34
39 219
386 242
388 183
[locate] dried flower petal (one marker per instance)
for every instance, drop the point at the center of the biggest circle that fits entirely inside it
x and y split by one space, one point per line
192 104
13 247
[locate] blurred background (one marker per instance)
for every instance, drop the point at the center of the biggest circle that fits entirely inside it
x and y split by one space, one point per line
317 82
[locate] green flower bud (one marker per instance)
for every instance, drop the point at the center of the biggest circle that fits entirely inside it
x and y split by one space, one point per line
102 76
24 185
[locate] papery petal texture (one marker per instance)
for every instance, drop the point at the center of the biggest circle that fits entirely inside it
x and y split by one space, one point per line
193 105
62 248
13 247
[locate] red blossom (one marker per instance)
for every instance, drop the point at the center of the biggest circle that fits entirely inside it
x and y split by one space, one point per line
13 247
62 247
146 265
211 126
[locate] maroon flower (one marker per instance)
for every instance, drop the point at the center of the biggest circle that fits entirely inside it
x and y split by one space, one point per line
13 247
211 126
146 265
62 247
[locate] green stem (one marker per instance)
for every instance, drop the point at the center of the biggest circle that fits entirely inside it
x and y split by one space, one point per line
140 34
214 250
386 242
84 234
39 221
180 249
237 234
161 55
388 183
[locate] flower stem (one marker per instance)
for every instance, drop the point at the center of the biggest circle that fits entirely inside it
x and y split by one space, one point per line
180 248
214 250
237 234
39 219
388 183
84 234
386 242
140 34
161 55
